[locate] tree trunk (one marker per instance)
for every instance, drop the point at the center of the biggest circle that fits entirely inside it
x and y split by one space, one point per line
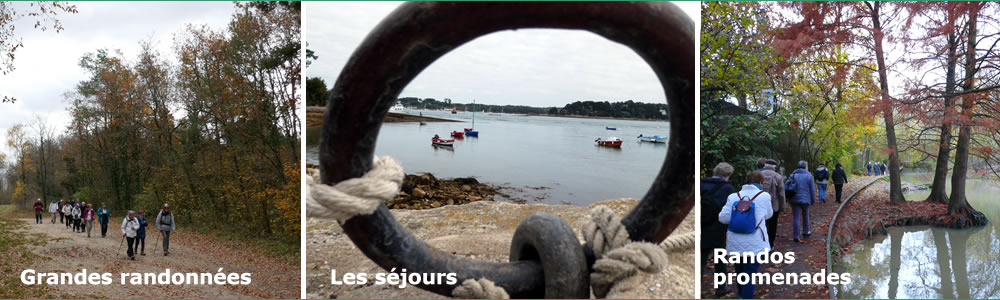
895 186
957 203
939 192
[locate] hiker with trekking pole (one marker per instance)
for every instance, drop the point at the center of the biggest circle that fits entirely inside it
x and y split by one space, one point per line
165 223
130 226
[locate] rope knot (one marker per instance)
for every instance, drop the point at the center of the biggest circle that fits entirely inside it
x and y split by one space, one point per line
355 196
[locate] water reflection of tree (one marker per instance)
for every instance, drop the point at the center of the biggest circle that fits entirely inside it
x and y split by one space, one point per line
938 264
867 266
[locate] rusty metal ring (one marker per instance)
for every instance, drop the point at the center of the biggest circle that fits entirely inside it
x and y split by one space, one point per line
550 241
418 33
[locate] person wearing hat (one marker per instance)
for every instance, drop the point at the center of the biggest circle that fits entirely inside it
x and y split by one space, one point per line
76 212
140 235
130 227
165 223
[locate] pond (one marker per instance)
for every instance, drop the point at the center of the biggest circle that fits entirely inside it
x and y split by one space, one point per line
930 262
544 159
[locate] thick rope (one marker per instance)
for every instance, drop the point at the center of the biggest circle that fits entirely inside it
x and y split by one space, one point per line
619 257
355 196
479 289
678 242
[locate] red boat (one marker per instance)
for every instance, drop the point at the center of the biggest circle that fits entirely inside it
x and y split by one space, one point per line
458 134
454 111
442 142
610 142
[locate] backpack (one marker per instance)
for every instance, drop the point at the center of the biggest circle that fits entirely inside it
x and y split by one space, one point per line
790 186
744 218
708 203
822 175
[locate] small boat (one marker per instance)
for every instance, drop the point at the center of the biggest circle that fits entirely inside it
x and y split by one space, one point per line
610 128
442 142
470 132
610 142
422 123
453 110
653 139
458 134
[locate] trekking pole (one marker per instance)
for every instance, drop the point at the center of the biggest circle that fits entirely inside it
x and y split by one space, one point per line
157 242
119 252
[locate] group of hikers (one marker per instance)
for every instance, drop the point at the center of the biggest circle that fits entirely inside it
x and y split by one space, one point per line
732 218
876 168
80 216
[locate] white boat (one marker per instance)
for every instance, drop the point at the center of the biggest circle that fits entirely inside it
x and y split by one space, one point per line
397 107
653 139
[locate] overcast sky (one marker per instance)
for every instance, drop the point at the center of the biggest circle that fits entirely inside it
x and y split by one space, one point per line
47 65
536 67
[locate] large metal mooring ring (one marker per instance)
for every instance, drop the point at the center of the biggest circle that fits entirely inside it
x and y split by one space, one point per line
551 242
418 33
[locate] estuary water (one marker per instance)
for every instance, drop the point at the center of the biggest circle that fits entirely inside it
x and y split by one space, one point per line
542 159
929 262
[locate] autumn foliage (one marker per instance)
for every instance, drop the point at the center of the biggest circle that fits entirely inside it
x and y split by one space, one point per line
210 128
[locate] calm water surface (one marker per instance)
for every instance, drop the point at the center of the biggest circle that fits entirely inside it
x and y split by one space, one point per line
549 159
929 262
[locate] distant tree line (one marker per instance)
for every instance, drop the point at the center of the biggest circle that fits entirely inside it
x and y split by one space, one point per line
317 93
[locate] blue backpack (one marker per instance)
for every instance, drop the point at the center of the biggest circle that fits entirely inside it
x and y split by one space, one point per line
744 218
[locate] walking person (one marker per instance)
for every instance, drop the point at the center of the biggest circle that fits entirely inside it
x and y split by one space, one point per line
839 179
83 216
821 175
140 235
60 209
800 182
715 191
882 168
130 225
76 212
88 218
745 211
67 210
165 222
53 208
774 185
39 207
103 215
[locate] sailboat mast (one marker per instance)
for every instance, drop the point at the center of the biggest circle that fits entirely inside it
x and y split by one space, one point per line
473 113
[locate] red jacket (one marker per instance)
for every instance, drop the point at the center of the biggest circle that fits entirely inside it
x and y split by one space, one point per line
38 207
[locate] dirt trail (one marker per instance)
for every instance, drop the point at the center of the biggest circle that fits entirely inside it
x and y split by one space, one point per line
189 252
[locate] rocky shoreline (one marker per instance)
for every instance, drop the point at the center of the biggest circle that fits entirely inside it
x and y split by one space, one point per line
426 191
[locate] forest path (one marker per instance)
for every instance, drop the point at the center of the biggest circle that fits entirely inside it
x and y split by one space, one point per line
68 251
810 254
